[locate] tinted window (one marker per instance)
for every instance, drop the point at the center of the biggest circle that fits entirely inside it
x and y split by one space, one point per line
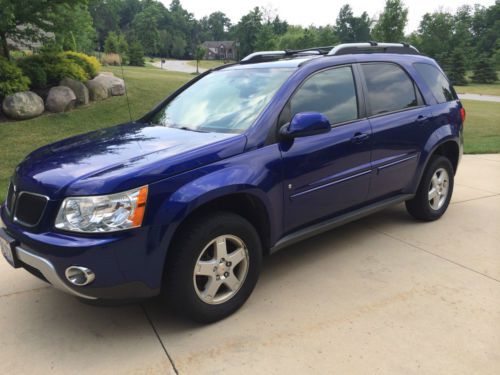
389 88
437 82
331 92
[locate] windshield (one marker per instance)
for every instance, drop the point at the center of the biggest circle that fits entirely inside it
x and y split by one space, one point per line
226 101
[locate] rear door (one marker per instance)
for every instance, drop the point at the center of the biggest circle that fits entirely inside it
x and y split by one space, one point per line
327 173
399 121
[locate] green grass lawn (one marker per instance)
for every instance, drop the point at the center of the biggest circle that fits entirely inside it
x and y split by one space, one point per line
478 88
207 64
482 127
146 87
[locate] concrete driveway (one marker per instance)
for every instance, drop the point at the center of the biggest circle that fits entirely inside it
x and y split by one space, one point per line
382 295
178 66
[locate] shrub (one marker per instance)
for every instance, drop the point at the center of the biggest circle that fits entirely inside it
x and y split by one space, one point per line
56 66
86 62
111 59
65 68
32 67
12 79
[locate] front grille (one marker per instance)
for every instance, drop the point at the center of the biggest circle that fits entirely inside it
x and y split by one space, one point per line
29 208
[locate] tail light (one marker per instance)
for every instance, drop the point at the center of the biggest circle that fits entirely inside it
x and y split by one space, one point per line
462 114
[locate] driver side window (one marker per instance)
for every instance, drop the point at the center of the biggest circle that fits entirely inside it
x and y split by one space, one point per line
330 92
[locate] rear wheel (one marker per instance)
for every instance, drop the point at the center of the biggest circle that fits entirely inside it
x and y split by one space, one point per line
434 192
214 267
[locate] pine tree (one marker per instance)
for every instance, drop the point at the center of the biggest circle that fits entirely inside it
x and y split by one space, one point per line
484 70
456 68
136 54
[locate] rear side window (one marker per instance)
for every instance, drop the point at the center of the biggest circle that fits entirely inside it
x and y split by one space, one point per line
331 92
389 88
437 82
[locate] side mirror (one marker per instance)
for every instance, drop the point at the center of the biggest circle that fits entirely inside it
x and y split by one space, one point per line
304 124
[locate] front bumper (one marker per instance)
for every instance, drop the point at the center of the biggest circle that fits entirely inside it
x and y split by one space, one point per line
124 265
43 266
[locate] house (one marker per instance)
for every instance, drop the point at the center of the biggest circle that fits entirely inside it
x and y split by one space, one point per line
221 50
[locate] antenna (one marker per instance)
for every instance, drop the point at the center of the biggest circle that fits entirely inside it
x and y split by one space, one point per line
126 90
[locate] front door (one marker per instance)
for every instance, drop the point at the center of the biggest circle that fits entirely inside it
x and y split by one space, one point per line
328 173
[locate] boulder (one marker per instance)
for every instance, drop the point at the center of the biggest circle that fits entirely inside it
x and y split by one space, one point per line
114 85
97 90
60 99
81 91
23 105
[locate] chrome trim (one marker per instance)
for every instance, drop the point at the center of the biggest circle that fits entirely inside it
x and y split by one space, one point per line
71 273
340 47
384 166
48 271
14 195
264 53
47 199
335 182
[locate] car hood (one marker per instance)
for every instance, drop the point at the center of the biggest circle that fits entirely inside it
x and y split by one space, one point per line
120 158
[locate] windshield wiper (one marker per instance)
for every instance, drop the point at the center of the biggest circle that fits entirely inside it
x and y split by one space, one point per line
190 129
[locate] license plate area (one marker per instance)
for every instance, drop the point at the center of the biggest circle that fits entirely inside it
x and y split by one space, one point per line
8 249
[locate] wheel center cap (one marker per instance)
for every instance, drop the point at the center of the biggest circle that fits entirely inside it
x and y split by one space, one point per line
221 269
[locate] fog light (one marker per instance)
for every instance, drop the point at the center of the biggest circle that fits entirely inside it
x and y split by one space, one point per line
79 276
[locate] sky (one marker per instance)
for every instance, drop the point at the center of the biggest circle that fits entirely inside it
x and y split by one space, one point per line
320 12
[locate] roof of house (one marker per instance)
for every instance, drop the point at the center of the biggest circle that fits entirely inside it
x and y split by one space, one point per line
218 43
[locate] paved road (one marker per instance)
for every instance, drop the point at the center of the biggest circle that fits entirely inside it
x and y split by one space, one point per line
483 98
178 66
383 295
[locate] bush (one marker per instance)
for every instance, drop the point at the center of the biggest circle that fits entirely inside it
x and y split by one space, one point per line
55 66
32 67
12 79
86 62
111 59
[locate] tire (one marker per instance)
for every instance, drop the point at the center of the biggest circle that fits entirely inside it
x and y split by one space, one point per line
439 175
195 268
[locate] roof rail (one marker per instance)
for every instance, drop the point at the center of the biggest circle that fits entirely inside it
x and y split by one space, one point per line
264 56
341 49
373 47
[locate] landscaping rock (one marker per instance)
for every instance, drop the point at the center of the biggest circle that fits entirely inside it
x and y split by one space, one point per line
60 99
114 85
23 105
97 90
81 91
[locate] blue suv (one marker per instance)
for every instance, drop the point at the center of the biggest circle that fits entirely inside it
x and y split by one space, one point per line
240 162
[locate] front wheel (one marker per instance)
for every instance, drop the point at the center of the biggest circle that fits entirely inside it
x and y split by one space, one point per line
214 266
434 192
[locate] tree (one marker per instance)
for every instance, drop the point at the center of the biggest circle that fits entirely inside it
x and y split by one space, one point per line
115 43
247 31
218 24
391 24
484 70
136 54
351 29
74 29
456 67
435 35
198 55
146 27
30 21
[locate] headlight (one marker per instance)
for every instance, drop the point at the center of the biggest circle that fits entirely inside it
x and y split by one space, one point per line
105 213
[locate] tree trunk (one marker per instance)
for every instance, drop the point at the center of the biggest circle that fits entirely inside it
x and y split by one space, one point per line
5 47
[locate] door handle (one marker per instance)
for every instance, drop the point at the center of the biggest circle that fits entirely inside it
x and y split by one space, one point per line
422 118
360 137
